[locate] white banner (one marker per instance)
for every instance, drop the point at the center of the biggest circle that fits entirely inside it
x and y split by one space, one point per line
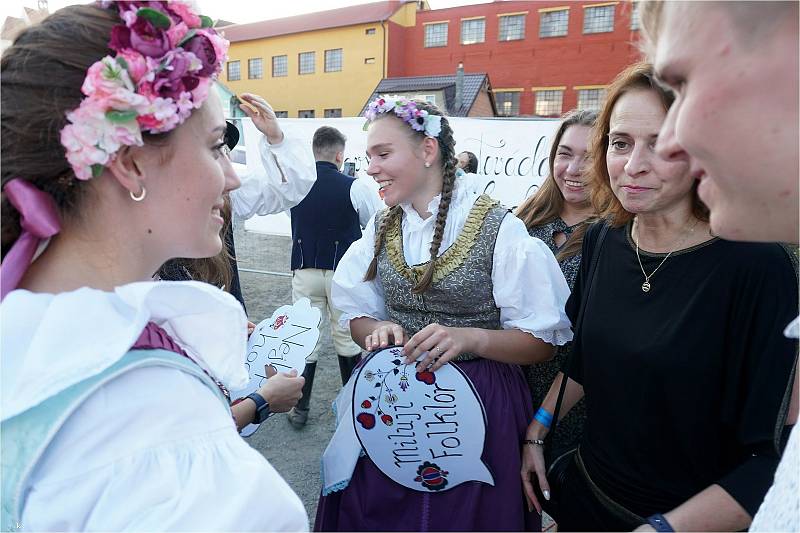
512 155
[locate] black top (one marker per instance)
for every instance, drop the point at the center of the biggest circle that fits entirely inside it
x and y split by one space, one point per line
686 385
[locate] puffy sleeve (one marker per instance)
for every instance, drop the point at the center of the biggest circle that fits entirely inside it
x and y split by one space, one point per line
286 174
529 288
155 450
365 201
351 295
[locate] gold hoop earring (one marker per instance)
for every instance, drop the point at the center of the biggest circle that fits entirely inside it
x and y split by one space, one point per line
141 195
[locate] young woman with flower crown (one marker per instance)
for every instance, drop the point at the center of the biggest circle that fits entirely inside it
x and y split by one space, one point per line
449 272
114 408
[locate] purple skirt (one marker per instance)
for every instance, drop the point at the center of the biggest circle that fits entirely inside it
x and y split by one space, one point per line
373 502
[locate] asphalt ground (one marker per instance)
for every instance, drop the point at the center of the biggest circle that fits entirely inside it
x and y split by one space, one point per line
294 453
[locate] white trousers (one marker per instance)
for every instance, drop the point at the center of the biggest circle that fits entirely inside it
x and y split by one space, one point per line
315 284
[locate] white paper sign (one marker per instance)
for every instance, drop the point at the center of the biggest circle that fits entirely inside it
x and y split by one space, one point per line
424 430
283 341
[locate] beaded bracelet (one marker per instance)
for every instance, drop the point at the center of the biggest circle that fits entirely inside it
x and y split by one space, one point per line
543 417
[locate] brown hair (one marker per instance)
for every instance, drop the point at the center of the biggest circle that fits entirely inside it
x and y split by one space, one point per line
448 161
41 76
636 77
216 270
548 202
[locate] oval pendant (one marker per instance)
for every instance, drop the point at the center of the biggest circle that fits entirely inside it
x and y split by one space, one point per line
646 286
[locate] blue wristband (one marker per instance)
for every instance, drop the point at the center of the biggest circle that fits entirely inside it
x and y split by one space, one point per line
543 417
659 522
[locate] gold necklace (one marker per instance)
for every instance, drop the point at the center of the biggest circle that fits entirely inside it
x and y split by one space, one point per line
646 285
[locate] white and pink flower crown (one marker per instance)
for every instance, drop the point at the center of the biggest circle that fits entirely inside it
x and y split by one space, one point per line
166 59
418 119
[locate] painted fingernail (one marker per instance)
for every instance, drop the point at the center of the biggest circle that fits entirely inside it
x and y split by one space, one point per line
546 494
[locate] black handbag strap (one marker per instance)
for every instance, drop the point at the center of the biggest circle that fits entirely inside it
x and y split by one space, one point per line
578 324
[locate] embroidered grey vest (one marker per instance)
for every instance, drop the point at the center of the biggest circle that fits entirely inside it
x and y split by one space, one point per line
461 292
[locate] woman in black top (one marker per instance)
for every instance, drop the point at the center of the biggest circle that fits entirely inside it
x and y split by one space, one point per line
557 215
686 376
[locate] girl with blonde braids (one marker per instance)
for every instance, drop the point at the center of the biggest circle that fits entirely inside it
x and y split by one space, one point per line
452 275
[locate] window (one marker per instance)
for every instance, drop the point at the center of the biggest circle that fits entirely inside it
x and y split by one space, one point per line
473 31
333 113
430 98
282 114
369 60
436 35
255 69
507 103
370 31
512 27
635 16
553 23
333 60
280 66
591 99
598 19
234 71
306 113
548 102
306 62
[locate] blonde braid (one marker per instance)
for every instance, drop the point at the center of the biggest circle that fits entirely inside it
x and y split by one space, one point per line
380 235
447 154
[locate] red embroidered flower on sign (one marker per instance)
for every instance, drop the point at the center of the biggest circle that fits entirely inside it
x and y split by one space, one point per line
431 476
427 377
279 322
367 420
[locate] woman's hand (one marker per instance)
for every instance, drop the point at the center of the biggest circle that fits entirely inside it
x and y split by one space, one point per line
533 467
384 335
442 344
281 390
250 329
263 117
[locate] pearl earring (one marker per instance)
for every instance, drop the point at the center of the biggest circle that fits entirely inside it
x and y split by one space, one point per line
427 164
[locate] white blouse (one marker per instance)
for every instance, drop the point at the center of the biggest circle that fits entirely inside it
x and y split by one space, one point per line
289 171
154 449
528 285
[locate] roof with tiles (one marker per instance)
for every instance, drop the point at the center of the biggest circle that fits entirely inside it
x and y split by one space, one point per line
333 18
472 87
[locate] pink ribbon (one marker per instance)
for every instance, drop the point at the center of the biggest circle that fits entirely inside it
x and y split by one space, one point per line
39 221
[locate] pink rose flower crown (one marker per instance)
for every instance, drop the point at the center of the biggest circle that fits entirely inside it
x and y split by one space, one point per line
167 57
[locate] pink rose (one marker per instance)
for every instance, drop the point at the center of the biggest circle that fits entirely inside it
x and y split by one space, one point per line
186 13
176 33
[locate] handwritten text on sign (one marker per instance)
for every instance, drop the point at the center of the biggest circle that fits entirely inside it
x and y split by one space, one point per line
282 341
424 430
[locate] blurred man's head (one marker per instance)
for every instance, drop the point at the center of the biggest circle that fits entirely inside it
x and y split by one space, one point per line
734 69
468 162
328 145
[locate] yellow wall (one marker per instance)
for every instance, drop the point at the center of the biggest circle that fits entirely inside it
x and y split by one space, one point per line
347 89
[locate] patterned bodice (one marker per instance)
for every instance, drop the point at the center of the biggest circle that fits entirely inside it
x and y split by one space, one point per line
461 293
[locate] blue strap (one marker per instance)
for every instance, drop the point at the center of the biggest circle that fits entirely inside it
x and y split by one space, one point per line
25 437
